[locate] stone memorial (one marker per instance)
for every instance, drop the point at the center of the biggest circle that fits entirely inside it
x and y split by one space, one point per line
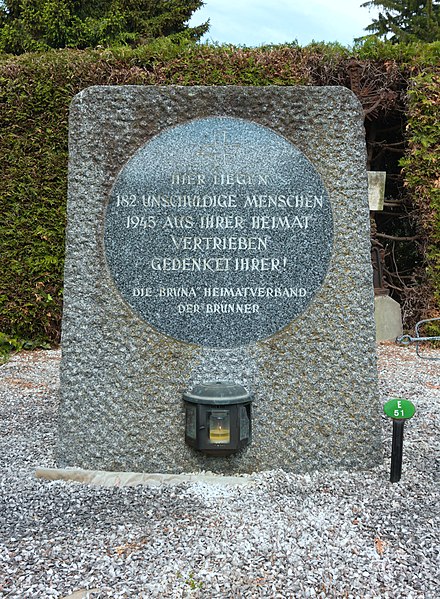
218 234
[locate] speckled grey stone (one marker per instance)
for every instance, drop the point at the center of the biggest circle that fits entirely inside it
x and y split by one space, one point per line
125 363
218 232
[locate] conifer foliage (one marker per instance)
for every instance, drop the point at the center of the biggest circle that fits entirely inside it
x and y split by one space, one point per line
404 21
38 25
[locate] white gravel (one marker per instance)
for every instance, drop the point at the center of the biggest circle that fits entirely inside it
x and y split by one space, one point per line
336 534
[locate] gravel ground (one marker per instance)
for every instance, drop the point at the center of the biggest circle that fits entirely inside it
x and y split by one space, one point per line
342 534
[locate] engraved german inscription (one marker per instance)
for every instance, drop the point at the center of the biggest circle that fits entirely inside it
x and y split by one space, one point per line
218 232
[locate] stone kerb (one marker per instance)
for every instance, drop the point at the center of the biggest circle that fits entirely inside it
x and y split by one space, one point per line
218 233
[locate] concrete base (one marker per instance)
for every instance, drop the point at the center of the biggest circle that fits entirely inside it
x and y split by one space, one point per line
388 318
84 594
131 479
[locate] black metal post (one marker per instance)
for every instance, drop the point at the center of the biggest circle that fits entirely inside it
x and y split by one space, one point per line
397 450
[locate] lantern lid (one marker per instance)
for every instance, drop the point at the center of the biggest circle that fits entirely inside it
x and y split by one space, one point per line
217 393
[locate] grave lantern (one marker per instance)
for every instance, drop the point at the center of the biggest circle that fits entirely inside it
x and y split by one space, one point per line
218 417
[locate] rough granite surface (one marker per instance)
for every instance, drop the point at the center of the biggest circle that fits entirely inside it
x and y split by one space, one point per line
314 382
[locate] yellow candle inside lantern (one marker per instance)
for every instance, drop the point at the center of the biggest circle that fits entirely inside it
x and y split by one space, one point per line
219 427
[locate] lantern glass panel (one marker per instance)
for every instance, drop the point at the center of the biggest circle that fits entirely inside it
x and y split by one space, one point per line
244 423
219 426
191 421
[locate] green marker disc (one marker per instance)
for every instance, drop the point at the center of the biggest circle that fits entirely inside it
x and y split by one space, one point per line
399 408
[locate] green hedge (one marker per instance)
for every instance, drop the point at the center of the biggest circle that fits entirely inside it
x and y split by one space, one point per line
422 175
36 90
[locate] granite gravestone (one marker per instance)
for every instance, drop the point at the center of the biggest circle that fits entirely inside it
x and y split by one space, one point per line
218 233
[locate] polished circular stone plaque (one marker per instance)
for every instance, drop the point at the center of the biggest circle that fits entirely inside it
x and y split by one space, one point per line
218 232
